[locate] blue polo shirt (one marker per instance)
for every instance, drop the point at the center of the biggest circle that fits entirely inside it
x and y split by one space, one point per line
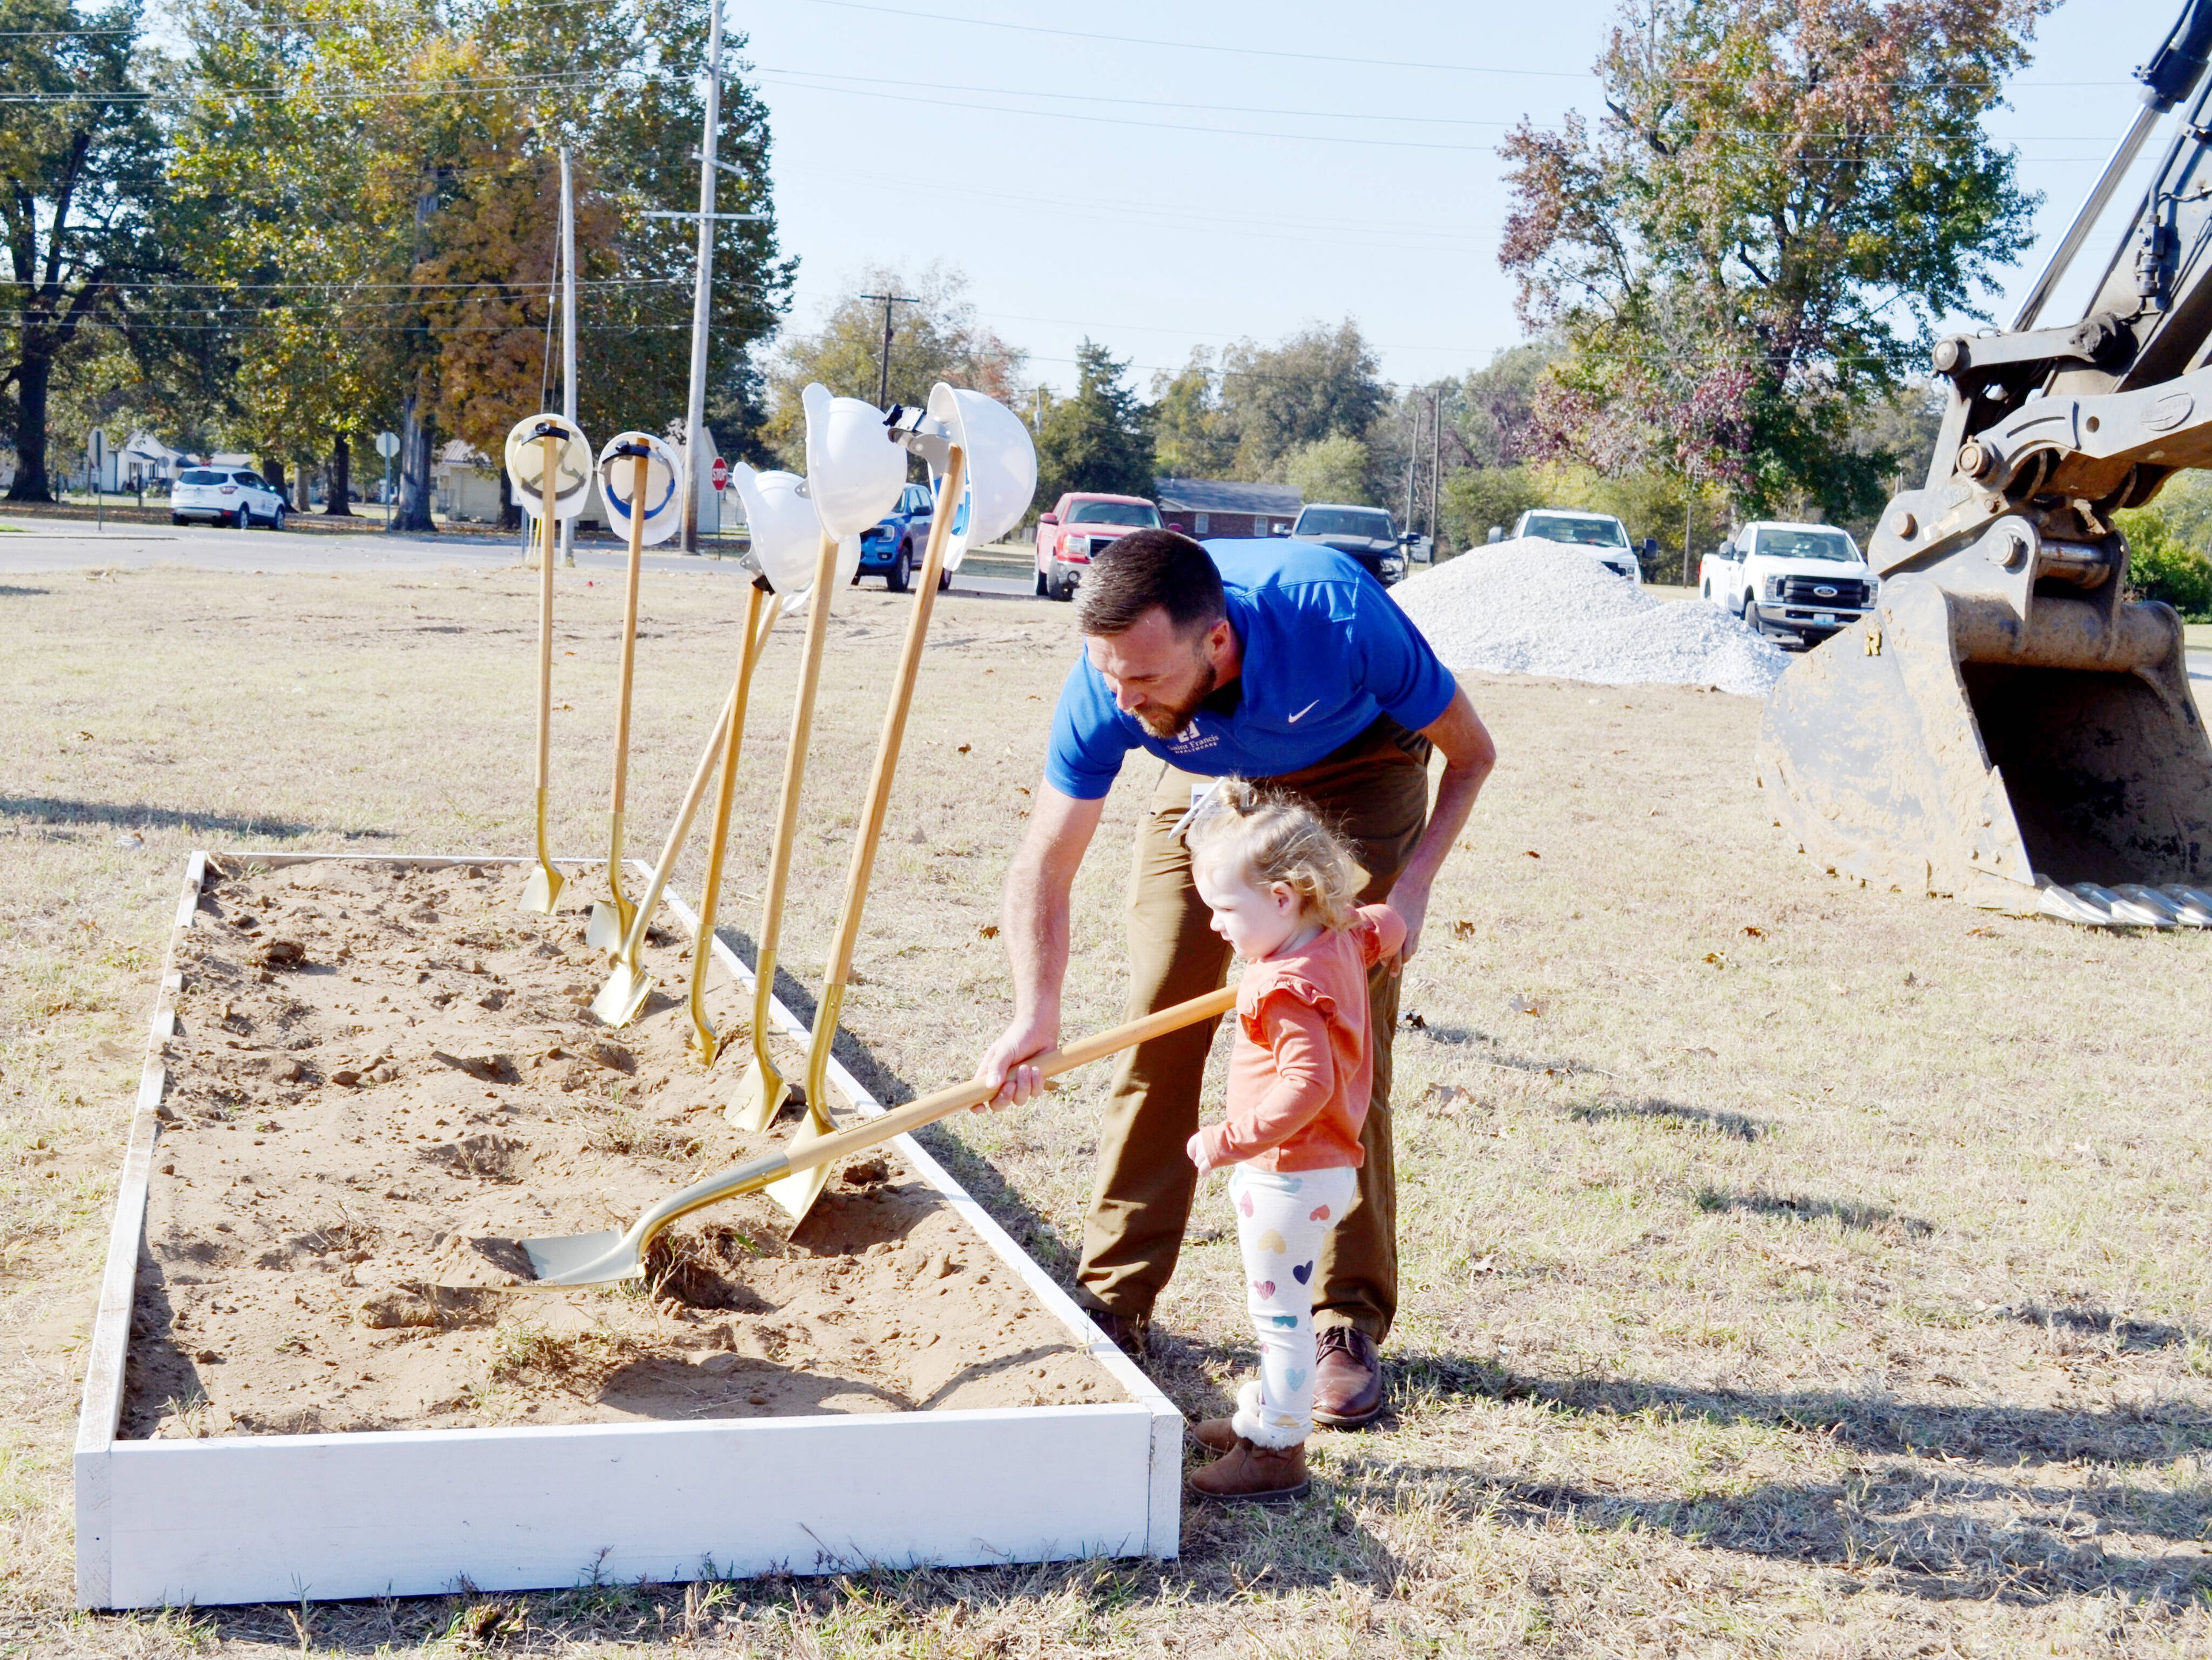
1326 651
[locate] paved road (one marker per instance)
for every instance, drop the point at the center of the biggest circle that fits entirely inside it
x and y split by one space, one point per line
40 545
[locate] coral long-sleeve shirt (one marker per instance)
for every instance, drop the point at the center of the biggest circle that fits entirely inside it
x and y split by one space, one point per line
1300 1069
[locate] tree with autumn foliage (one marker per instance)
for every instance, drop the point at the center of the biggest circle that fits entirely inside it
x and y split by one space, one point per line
384 188
1782 199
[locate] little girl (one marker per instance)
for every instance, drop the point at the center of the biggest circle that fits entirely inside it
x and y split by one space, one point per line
1281 887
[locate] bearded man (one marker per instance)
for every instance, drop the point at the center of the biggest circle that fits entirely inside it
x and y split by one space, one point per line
1284 662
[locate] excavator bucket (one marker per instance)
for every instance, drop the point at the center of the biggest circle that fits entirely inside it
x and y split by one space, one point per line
1946 745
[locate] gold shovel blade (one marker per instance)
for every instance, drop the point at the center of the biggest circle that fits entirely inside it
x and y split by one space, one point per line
583 1259
796 1193
622 996
542 889
761 1095
608 925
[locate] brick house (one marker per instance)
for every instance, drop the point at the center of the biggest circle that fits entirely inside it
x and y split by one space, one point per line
1204 508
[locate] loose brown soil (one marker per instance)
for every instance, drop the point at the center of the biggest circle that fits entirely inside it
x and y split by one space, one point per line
384 1076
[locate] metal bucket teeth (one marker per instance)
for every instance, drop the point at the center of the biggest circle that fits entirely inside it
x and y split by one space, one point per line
2150 899
2192 905
2065 905
2126 913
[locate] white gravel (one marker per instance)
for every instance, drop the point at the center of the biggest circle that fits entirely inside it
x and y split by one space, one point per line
1533 607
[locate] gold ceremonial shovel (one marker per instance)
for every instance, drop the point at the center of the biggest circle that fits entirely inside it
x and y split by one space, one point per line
798 1194
543 891
594 1259
611 918
628 987
761 1092
763 602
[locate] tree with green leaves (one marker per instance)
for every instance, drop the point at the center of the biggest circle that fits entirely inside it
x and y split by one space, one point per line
82 207
1191 435
935 336
1319 383
1100 439
1782 198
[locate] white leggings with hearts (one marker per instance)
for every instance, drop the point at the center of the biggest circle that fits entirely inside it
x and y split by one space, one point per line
1282 1217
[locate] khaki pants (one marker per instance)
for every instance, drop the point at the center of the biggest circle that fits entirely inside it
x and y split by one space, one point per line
1375 791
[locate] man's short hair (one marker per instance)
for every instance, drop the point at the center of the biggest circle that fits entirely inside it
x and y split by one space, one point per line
1148 568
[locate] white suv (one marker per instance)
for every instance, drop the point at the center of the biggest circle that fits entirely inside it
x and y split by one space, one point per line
224 495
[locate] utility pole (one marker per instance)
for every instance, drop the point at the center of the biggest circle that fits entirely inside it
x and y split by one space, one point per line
1412 454
568 333
703 286
1435 462
884 372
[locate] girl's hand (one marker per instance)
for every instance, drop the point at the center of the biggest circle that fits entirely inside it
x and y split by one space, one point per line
1196 1148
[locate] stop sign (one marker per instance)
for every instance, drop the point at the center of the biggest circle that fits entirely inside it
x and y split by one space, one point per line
719 473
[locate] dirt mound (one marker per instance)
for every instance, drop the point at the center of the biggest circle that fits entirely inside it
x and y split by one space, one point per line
359 1130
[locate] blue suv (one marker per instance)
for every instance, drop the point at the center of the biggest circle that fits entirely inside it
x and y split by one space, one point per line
892 548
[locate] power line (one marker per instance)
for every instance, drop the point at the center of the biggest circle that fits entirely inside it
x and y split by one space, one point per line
1247 51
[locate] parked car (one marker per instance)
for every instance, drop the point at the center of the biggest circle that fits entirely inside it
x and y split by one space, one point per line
892 548
1600 535
224 495
1797 584
1081 526
1367 534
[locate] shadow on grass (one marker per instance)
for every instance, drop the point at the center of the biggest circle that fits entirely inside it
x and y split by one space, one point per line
51 810
1734 1125
2000 1436
2125 1336
1798 1207
1936 1536
9 591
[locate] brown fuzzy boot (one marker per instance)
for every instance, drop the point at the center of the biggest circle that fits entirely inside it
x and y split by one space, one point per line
1254 1475
1214 1434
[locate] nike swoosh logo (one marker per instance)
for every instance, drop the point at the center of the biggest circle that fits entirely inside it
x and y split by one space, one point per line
1303 712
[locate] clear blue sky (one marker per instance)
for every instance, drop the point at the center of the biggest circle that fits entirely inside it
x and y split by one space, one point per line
1146 173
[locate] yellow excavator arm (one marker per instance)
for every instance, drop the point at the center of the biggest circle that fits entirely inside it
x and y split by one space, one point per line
2007 727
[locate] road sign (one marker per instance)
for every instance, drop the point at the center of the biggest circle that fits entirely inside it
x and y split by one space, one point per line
387 444
97 446
719 473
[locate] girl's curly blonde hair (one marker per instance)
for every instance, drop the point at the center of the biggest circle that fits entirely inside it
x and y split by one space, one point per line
1279 839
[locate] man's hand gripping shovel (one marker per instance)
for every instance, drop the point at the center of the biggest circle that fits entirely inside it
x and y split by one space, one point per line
594 1259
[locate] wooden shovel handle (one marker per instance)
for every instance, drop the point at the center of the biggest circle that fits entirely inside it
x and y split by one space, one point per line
974 1093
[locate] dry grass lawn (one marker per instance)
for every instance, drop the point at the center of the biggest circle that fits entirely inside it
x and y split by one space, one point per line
1791 1269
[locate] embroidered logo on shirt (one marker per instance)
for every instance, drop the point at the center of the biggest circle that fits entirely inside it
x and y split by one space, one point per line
1191 740
1307 710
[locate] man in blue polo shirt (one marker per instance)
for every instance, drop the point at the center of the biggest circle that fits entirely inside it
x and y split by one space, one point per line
1268 660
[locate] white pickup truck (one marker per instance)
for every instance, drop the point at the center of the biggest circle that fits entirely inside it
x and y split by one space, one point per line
1796 584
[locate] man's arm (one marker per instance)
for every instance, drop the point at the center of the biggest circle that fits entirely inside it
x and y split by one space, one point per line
1034 917
1469 754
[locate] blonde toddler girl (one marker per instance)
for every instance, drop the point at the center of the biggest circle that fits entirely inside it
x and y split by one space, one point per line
1282 889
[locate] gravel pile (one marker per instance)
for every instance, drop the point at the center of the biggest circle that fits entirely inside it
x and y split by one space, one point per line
1533 607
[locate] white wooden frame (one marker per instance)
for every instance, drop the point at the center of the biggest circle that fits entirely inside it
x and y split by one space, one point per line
249 1518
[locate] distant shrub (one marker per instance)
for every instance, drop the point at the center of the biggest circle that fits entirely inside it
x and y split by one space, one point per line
2162 564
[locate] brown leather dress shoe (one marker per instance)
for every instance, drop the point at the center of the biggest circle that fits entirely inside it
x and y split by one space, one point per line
1131 1337
1215 1434
1248 1475
1347 1379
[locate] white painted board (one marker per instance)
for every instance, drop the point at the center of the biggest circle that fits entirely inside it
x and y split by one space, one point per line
274 1518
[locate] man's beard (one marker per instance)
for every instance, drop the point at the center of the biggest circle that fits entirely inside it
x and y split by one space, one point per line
1164 722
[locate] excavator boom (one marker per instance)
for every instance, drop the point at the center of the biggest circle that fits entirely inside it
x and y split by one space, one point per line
2009 728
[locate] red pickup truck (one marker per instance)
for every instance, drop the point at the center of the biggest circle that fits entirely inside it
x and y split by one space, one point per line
1081 526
